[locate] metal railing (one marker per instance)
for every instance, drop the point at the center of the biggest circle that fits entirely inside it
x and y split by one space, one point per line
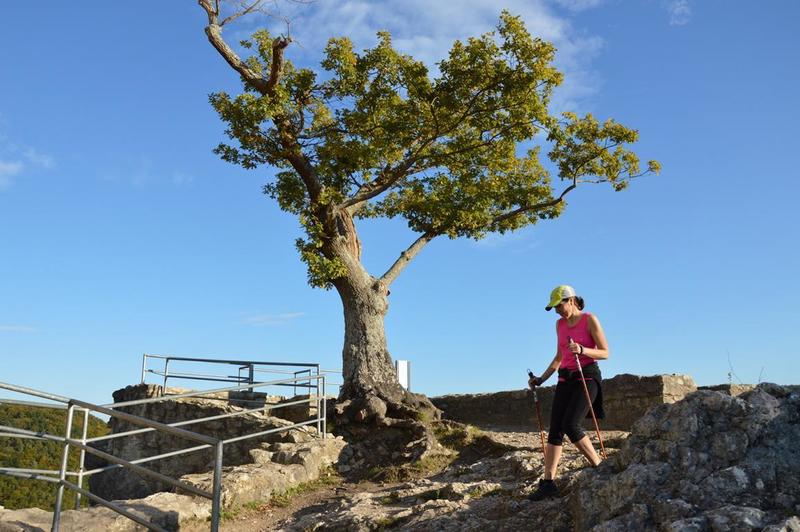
148 425
250 368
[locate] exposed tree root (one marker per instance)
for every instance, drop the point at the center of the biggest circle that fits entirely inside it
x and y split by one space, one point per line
387 428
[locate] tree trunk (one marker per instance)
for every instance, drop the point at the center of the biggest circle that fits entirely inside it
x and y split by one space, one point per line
369 375
387 421
366 362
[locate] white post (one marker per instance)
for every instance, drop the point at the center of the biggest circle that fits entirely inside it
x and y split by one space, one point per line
403 369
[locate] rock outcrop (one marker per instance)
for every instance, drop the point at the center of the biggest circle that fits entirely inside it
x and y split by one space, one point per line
709 462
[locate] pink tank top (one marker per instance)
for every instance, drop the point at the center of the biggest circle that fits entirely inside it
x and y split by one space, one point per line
579 333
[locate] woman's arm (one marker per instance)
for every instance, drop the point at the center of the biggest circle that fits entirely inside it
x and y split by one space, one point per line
550 369
601 352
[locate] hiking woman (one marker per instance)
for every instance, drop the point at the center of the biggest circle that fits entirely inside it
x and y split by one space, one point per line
579 333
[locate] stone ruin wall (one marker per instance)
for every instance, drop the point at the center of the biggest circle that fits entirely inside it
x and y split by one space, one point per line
625 397
125 484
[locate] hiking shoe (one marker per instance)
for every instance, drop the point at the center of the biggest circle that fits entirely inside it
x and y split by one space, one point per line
547 489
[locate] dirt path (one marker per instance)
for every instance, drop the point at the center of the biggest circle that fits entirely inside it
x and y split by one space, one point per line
267 516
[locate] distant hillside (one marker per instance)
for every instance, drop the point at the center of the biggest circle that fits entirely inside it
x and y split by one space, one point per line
22 493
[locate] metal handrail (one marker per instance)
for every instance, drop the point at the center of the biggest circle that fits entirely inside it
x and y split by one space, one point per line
199 420
244 364
74 404
149 425
205 392
250 365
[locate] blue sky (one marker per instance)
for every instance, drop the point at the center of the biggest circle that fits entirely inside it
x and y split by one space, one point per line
121 233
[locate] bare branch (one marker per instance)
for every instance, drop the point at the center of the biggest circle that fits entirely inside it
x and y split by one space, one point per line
293 151
279 44
252 7
406 257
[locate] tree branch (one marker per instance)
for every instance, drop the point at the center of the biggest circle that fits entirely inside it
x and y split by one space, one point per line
406 257
293 152
214 34
238 14
369 190
538 206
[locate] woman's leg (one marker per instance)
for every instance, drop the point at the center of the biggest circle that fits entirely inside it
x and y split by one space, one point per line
585 446
551 461
555 436
575 412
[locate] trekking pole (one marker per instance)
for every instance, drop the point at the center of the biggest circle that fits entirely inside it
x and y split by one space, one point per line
538 415
591 409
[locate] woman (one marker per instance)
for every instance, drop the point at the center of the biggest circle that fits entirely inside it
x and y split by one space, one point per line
579 335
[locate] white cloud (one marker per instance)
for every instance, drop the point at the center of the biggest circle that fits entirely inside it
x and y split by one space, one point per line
181 178
39 159
272 320
16 328
427 29
517 241
579 5
16 159
7 172
140 172
680 12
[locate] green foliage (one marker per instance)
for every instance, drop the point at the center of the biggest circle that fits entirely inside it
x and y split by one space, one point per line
321 269
382 137
33 454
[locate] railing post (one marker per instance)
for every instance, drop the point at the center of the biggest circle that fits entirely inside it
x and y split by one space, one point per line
166 374
62 474
144 366
82 458
324 410
250 376
319 405
217 491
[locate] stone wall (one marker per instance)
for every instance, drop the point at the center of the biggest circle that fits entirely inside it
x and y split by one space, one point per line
626 399
124 484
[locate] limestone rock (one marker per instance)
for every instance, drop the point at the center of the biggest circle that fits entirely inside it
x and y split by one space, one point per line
712 461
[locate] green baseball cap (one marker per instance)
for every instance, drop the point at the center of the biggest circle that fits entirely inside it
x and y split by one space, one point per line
560 292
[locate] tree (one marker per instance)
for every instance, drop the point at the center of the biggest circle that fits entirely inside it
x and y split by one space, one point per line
377 136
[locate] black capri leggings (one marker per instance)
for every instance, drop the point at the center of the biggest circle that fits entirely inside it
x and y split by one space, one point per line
569 409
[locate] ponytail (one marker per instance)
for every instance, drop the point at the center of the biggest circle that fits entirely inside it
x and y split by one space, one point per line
579 302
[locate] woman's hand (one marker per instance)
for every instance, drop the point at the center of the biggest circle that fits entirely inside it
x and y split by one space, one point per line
575 348
534 381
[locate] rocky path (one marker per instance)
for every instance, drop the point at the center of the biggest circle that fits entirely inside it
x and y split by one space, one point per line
489 492
711 462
